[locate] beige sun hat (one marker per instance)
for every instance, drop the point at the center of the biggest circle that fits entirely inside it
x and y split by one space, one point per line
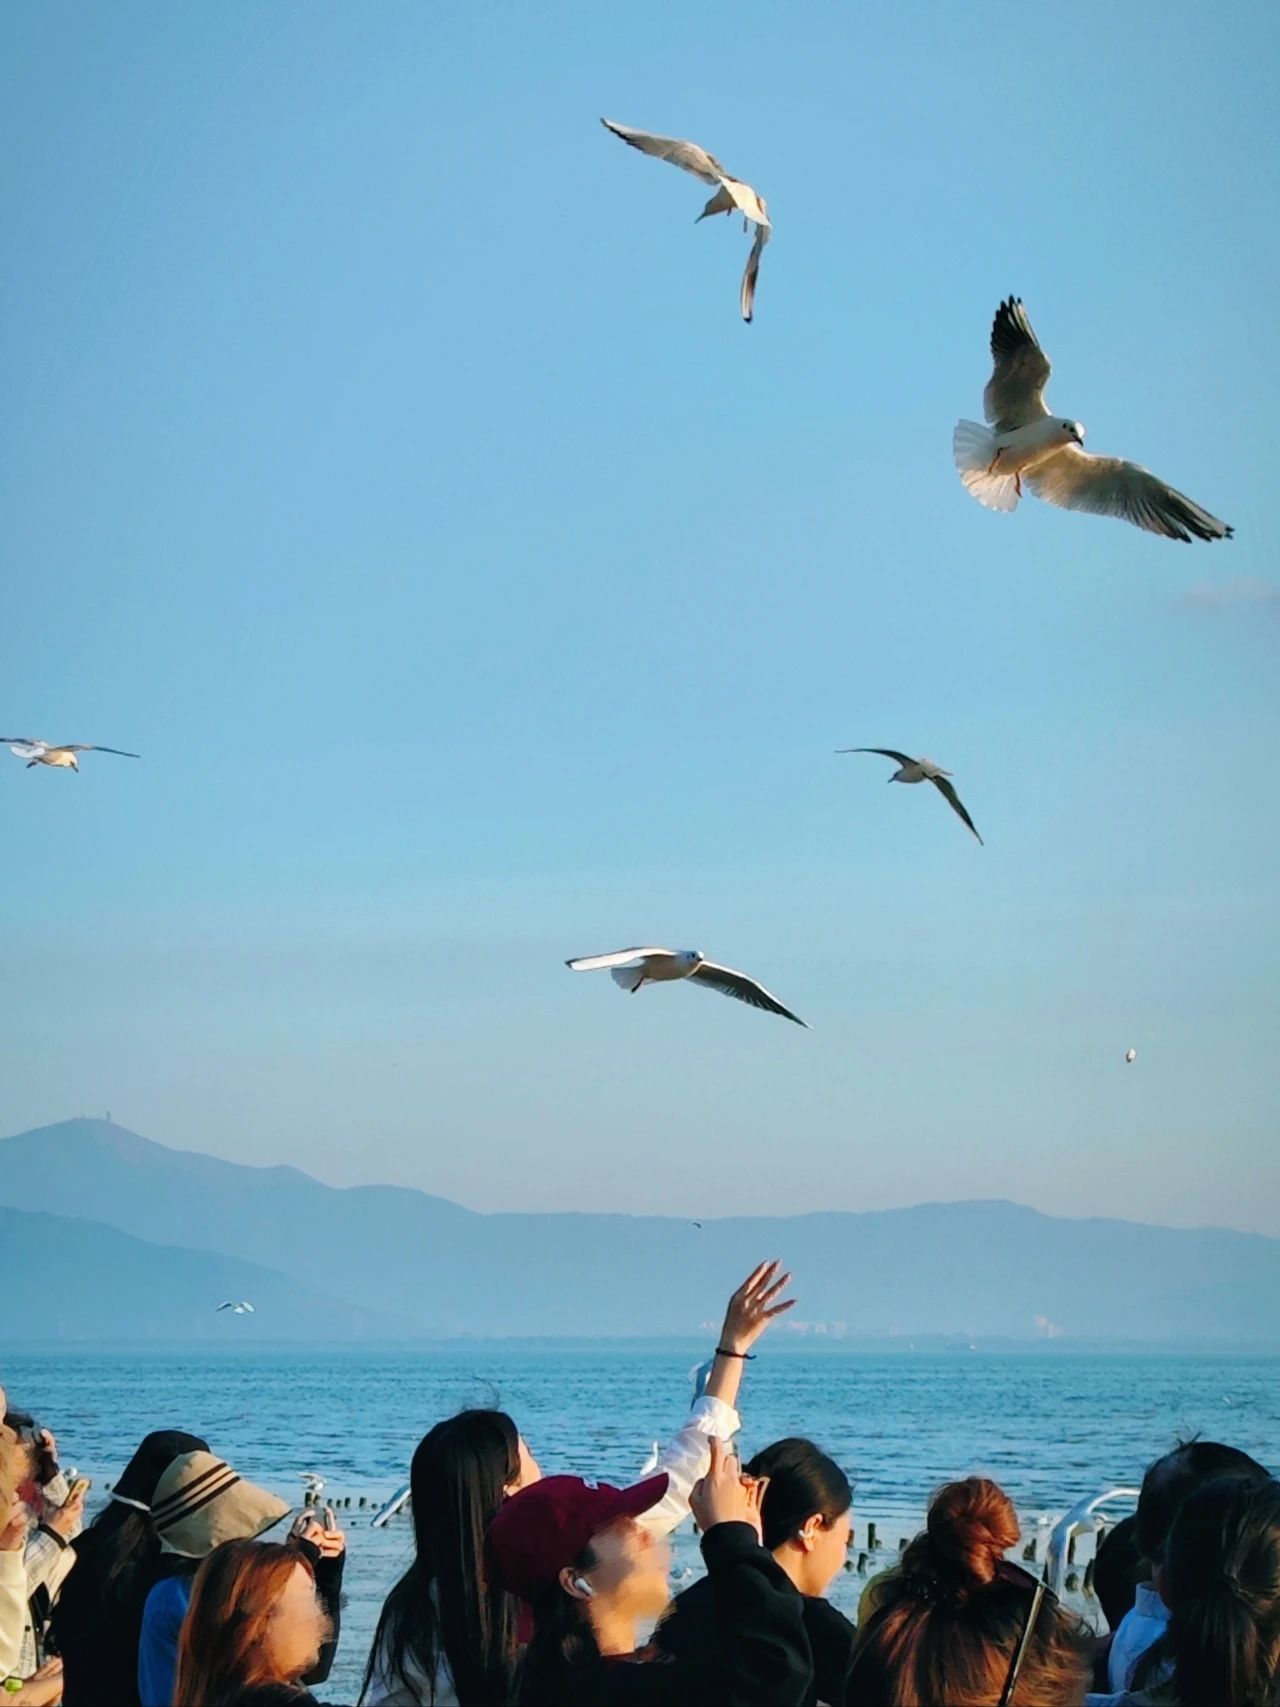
200 1502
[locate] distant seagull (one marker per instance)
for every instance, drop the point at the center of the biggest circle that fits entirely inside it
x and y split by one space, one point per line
920 770
243 1308
313 1483
634 967
1024 439
730 193
61 758
1131 1055
651 1462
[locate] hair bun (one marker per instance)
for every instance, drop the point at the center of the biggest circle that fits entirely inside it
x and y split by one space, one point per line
971 1527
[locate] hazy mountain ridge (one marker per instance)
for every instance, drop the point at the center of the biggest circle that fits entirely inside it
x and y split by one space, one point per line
975 1269
73 1279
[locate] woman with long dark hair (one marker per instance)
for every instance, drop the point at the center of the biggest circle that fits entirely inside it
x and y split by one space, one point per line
98 1616
447 1635
806 1525
1222 1587
958 1625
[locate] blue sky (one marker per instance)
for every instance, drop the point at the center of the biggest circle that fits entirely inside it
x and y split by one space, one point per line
384 459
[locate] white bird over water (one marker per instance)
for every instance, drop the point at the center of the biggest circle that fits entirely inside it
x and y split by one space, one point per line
1024 441
243 1308
632 968
921 770
61 758
1131 1055
730 193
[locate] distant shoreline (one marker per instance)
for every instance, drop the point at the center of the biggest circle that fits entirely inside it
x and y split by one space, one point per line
808 1347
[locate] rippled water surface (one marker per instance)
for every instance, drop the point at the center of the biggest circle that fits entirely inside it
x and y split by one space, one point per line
1049 1426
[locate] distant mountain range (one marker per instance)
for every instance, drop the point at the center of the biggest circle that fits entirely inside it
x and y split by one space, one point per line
384 1261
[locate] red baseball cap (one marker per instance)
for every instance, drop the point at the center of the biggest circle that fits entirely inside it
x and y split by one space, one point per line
546 1526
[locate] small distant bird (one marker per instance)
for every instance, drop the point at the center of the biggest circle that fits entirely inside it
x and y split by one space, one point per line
1131 1055
1025 440
697 1224
921 770
60 758
730 193
634 967
313 1486
243 1308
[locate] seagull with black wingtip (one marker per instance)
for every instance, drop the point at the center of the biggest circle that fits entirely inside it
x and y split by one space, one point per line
1025 442
59 758
921 770
633 968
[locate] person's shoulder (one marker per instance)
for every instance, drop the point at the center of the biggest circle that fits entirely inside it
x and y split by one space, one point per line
819 1612
168 1594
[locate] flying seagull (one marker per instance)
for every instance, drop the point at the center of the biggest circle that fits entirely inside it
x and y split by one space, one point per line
1131 1055
243 1308
1024 441
61 758
730 193
634 967
921 770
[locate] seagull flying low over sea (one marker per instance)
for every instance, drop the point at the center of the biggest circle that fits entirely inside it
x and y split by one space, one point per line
730 193
61 758
634 967
243 1308
920 770
1131 1055
1024 441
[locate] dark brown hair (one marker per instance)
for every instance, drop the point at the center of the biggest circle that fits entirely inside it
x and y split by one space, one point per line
223 1649
948 1622
1222 1583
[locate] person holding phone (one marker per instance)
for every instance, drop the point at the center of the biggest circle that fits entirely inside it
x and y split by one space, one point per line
448 1634
593 1574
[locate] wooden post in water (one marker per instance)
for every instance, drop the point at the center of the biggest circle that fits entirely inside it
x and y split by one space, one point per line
871 1537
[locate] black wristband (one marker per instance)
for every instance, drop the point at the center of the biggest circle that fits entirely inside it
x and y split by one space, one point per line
746 1356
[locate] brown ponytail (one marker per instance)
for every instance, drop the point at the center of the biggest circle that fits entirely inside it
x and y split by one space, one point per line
950 1619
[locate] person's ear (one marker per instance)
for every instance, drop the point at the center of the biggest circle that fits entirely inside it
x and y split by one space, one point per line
809 1531
574 1584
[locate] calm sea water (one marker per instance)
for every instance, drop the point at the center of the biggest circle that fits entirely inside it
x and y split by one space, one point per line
1049 1426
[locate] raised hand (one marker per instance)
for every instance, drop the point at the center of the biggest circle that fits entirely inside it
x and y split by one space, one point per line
753 1306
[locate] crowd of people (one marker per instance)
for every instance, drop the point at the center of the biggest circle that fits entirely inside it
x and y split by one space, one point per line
539 1590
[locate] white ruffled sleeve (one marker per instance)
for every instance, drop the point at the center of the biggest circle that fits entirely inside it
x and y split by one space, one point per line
686 1458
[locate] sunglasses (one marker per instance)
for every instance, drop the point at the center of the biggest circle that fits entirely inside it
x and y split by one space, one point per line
1024 1643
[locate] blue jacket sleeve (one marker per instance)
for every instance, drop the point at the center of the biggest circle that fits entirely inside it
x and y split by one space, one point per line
158 1646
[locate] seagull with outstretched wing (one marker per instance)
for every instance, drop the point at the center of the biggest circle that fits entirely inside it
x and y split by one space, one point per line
921 770
632 968
1024 441
731 194
60 758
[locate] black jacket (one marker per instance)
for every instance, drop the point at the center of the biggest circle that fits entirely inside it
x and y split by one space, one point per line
690 1628
758 1654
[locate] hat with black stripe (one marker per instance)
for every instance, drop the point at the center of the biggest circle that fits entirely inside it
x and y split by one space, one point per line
200 1501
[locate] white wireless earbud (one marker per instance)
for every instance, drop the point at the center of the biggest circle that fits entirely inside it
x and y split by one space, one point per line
583 1587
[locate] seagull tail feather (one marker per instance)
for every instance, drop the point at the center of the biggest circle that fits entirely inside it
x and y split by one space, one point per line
974 448
627 977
